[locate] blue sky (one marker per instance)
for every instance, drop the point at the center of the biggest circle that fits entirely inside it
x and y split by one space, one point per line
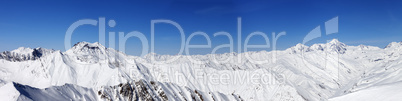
44 23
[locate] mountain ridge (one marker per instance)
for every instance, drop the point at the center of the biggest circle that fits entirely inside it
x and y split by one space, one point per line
316 72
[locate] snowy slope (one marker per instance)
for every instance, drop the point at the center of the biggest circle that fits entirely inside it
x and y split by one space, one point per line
55 93
381 80
389 92
8 92
92 71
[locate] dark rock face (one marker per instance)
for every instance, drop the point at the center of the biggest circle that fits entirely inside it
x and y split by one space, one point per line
91 47
14 57
18 57
37 53
134 91
152 91
127 91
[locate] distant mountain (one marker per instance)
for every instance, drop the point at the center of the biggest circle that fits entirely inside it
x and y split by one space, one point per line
91 71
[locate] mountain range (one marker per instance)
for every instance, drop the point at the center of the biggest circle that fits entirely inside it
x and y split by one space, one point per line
90 71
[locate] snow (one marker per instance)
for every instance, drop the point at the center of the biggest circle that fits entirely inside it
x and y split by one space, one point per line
394 45
56 93
389 92
8 92
23 50
316 72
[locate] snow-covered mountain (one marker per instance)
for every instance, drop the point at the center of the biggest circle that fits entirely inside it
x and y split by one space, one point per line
90 71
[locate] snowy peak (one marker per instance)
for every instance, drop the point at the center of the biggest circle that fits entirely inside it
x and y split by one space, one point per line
23 50
92 53
88 48
299 48
333 46
335 41
316 47
394 45
88 45
336 46
23 54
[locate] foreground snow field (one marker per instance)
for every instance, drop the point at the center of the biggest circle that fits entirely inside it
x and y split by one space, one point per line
389 92
90 71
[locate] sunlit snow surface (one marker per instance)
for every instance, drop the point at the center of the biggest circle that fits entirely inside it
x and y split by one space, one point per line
90 71
389 92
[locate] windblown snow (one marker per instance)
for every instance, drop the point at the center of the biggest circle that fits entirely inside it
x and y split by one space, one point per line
90 71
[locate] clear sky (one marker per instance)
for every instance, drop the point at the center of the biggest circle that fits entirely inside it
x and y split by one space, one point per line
44 23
